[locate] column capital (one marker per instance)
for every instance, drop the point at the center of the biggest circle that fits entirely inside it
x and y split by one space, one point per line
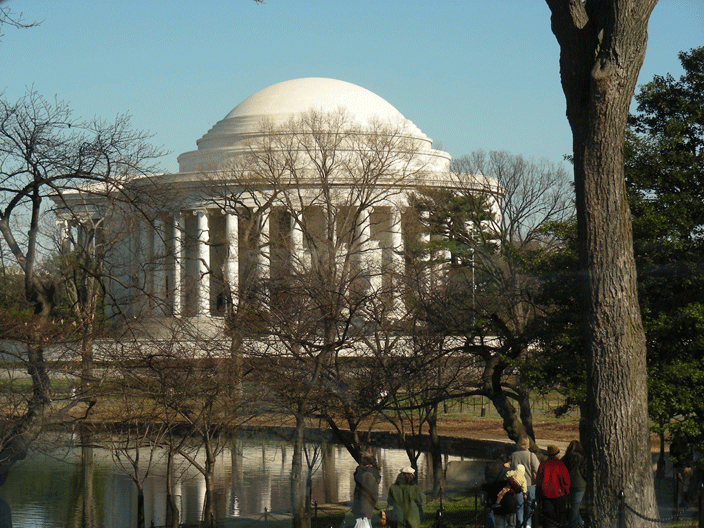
199 210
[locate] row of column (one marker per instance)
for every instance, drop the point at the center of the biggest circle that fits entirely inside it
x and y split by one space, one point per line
166 246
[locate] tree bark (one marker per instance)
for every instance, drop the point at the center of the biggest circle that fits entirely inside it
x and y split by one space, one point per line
298 502
602 46
207 469
172 512
493 389
435 451
140 507
526 411
209 511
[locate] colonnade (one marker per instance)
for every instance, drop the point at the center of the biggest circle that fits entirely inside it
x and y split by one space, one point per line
182 263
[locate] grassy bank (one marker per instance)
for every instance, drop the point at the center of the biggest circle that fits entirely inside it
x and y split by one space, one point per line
460 511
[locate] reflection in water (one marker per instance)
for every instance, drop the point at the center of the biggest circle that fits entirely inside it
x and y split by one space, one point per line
45 490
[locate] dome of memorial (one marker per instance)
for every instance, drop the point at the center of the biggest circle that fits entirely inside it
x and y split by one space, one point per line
281 102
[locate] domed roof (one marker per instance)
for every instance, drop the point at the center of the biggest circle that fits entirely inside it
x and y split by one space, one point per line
288 98
279 103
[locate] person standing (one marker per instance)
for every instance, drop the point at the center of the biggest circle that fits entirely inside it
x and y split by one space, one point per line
524 503
553 485
406 501
500 512
575 459
366 490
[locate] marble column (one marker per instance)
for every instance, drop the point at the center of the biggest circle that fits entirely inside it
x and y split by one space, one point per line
179 250
301 258
233 246
159 266
397 257
370 252
203 279
264 253
363 240
375 265
428 274
64 228
396 240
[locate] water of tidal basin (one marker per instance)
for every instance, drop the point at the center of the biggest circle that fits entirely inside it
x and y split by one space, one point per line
42 490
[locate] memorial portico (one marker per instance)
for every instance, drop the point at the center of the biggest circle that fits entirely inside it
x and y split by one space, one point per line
194 254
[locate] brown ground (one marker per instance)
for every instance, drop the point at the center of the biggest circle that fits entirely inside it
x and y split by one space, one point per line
547 428
558 430
471 425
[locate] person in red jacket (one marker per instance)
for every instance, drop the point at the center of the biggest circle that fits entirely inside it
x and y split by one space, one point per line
553 484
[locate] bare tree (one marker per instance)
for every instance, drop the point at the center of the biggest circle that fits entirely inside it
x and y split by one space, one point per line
135 435
182 380
602 47
318 186
485 235
9 18
415 371
533 195
45 151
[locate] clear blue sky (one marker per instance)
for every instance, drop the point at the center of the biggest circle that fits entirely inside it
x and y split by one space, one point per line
470 73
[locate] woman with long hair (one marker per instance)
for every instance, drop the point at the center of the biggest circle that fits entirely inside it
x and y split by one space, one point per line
575 459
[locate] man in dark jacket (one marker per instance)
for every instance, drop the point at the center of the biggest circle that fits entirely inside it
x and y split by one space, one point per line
494 481
366 488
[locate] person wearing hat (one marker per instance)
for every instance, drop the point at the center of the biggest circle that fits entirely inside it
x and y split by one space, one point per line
553 484
406 501
366 490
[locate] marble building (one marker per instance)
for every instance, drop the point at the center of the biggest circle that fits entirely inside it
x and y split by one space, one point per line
303 172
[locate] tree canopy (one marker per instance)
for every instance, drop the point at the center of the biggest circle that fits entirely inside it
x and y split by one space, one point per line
665 181
663 176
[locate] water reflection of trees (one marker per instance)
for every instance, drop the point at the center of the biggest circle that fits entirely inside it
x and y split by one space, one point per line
257 481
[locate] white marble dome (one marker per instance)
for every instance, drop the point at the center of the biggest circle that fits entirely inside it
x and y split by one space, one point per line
285 99
279 103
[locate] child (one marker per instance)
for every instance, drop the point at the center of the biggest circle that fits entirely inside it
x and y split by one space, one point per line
516 482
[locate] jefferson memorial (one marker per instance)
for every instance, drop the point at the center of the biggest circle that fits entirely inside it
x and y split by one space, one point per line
306 178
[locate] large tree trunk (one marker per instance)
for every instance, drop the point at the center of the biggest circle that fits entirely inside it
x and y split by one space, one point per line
526 411
493 389
602 49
